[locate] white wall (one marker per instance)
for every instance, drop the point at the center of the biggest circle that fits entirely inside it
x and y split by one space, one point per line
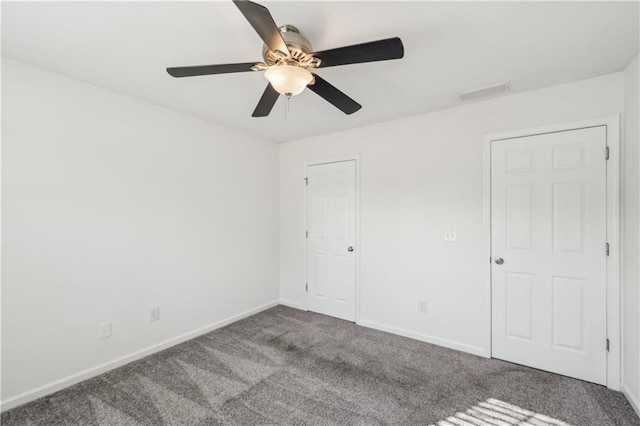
631 238
112 206
419 177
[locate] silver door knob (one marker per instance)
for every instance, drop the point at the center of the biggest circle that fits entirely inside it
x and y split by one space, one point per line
499 261
350 248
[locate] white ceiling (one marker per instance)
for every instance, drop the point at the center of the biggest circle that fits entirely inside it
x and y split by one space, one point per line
450 47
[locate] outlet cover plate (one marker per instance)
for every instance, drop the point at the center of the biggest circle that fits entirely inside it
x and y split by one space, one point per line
104 329
155 314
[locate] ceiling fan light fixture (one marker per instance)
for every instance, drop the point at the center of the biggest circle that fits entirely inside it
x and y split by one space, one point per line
287 57
288 80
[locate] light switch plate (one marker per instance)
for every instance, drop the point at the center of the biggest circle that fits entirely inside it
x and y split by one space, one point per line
451 236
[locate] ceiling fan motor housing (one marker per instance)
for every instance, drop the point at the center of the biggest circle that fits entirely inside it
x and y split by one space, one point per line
299 47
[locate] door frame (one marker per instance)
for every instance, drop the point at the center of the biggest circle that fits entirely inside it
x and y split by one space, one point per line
305 166
612 124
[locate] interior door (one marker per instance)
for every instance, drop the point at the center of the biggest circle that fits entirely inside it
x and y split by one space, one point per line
331 223
548 225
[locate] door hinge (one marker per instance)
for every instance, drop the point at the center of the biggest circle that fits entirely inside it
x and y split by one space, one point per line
306 286
306 181
306 234
607 345
606 150
607 249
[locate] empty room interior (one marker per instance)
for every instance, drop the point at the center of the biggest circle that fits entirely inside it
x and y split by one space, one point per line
320 212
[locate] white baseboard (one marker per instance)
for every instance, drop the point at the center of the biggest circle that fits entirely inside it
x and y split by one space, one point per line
463 347
294 305
103 368
405 333
633 400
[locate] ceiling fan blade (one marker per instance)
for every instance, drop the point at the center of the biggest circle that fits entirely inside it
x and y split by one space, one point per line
381 50
266 102
209 69
262 21
334 96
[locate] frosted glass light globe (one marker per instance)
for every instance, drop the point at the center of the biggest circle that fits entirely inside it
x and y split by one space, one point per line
288 80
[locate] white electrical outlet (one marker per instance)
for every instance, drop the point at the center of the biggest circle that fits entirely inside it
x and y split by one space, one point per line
104 329
422 306
155 314
451 236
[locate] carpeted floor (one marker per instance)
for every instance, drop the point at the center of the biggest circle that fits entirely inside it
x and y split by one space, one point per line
285 366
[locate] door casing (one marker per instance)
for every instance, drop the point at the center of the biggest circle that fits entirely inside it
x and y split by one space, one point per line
612 124
305 166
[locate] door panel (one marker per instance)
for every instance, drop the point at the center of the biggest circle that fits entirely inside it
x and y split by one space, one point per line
568 310
548 224
331 223
519 200
518 305
568 217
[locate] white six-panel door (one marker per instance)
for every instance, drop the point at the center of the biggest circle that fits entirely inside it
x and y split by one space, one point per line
548 226
331 223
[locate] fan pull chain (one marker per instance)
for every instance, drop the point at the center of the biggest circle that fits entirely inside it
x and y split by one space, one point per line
286 106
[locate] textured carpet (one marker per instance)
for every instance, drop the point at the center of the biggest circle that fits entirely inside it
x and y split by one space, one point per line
285 366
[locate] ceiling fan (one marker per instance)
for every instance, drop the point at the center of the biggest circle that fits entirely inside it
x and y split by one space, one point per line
288 56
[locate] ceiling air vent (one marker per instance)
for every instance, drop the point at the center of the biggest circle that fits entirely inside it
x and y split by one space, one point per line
484 91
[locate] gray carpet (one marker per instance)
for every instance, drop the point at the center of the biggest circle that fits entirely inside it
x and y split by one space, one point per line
285 366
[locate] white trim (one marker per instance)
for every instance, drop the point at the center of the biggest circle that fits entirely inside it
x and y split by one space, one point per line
612 124
614 308
60 384
486 251
294 305
451 344
463 347
633 400
305 165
